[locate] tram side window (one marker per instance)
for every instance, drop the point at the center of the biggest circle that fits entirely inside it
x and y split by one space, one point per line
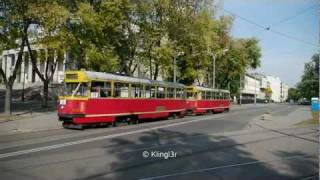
77 89
179 93
203 95
170 92
121 90
136 90
208 94
190 95
214 95
150 91
160 92
147 92
226 95
100 89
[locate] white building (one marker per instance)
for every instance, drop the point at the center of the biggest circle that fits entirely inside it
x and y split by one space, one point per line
26 75
284 92
279 89
250 88
275 85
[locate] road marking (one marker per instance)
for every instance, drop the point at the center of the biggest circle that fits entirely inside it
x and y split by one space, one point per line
225 166
28 151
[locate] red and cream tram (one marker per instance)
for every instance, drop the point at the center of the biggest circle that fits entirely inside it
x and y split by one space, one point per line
201 100
103 98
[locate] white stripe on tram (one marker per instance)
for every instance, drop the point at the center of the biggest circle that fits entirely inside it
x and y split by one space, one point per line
135 113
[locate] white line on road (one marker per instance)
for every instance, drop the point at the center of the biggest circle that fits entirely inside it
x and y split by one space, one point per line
226 166
22 152
28 151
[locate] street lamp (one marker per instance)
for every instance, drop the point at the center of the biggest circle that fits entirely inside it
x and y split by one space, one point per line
214 67
255 91
175 66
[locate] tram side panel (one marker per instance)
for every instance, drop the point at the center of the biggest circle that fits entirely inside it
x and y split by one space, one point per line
106 110
202 106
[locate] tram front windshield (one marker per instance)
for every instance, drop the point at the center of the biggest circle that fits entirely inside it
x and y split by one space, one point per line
75 89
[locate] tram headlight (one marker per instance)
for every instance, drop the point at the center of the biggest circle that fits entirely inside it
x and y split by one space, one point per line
63 102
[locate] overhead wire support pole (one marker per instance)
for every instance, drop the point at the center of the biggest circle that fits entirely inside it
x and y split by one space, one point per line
255 91
213 71
174 69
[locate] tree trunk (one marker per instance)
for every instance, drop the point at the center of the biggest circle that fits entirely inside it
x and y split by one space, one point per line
45 94
8 98
156 71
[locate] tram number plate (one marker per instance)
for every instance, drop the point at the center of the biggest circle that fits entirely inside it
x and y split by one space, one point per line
63 102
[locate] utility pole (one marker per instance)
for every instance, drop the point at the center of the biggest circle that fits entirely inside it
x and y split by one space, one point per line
174 69
240 97
24 77
213 71
255 91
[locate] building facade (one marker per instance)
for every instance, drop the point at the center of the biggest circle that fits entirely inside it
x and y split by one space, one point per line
250 89
26 75
284 92
272 88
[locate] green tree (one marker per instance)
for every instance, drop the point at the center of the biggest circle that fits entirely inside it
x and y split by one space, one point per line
51 19
308 87
293 94
194 33
243 54
94 25
13 34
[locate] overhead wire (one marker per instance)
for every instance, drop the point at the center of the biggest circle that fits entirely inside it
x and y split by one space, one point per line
267 28
295 15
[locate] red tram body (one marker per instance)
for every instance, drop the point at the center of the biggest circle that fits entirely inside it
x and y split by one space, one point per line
108 110
125 99
103 98
201 100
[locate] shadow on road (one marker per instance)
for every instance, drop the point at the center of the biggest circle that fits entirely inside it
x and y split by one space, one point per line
199 156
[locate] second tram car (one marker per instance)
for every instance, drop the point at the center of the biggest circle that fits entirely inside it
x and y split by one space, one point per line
201 100
103 98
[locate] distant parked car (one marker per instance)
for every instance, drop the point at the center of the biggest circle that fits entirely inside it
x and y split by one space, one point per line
304 101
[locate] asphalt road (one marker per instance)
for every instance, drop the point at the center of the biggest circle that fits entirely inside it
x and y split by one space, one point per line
219 146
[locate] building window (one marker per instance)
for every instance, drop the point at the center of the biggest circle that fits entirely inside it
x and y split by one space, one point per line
26 65
60 66
13 60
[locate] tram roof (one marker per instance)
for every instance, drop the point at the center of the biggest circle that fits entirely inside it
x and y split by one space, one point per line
108 76
201 88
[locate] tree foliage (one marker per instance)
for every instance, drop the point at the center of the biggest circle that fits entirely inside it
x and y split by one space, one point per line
294 94
125 35
308 87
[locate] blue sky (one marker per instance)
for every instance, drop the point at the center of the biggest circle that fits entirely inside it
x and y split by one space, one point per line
281 56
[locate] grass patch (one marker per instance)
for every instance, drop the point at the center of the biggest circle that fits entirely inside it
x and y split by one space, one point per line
309 121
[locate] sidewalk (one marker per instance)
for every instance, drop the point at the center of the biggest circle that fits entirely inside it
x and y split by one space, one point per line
283 118
38 121
245 106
